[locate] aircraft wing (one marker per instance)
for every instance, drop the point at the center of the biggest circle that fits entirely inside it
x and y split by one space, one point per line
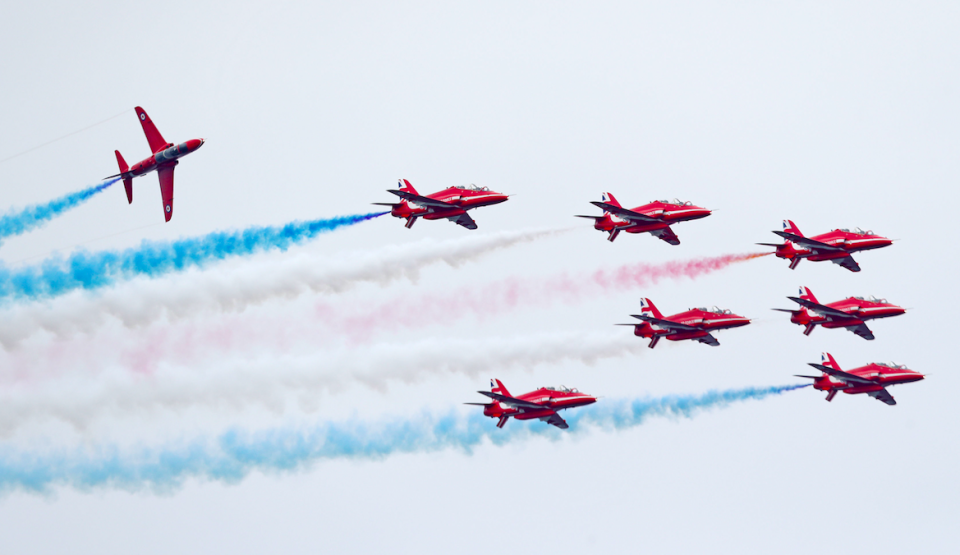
843 376
555 420
465 220
624 213
666 324
667 235
847 262
708 340
154 138
883 395
810 243
863 331
166 190
820 309
421 200
511 401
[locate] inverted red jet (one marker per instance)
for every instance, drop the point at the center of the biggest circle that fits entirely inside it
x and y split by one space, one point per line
653 218
451 203
164 159
695 324
850 313
872 379
542 404
835 246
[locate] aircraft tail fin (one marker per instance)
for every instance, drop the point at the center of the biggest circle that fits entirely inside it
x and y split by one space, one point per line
405 185
496 386
154 138
646 305
827 360
127 181
807 295
791 227
609 199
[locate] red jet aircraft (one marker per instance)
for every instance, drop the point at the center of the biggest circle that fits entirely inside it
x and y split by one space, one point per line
835 246
872 379
451 203
653 218
542 404
164 159
850 313
695 324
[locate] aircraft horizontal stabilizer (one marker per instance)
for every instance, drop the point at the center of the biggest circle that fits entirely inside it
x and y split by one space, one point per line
511 400
841 375
422 201
784 310
809 243
664 323
770 244
822 309
623 212
796 375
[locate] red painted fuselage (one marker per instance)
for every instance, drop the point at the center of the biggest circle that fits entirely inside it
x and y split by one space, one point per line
872 379
851 313
655 217
694 324
541 404
164 159
451 203
835 246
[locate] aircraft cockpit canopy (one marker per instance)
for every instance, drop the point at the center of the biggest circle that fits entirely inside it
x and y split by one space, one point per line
472 187
562 389
893 365
714 309
677 202
857 230
871 299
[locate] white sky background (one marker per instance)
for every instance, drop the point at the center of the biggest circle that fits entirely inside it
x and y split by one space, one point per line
831 115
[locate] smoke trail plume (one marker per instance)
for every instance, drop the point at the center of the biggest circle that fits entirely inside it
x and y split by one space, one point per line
494 298
233 455
140 302
16 222
85 270
269 380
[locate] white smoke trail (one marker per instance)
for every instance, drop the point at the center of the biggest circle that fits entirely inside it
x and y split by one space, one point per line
269 382
140 302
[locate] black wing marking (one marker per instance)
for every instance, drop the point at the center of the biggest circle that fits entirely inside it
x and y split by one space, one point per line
883 395
847 262
555 420
464 220
667 324
624 213
708 340
422 201
862 330
666 235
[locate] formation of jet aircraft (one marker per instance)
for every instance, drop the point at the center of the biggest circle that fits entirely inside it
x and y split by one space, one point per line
541 404
872 379
835 246
163 160
451 203
850 313
653 218
656 218
694 324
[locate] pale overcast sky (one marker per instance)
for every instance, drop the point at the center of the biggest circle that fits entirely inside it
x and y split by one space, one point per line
832 114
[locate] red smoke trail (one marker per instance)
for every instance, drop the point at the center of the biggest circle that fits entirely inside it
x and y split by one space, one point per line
509 294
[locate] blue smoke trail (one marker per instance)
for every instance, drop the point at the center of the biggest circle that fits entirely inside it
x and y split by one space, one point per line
22 221
85 270
234 454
